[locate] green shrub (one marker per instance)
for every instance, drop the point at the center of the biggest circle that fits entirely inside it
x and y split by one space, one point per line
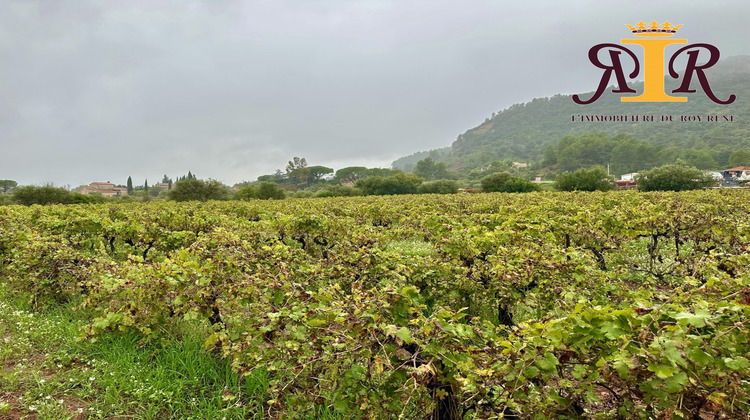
593 179
399 183
270 191
675 177
246 193
338 191
6 199
443 186
48 194
505 182
199 190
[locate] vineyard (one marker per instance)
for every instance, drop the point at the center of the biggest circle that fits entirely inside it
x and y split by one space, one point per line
540 305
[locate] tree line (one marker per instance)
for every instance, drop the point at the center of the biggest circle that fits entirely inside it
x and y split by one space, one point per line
671 177
626 154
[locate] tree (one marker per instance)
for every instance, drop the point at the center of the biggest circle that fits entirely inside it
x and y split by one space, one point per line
338 191
269 191
443 186
520 185
316 173
48 194
428 169
351 174
399 183
246 193
295 164
572 157
499 166
6 185
381 172
505 182
145 186
5 199
630 156
593 179
675 177
130 185
155 191
550 157
701 159
739 158
296 171
495 182
268 178
199 190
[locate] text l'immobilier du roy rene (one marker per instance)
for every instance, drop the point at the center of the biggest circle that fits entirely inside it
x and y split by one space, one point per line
653 118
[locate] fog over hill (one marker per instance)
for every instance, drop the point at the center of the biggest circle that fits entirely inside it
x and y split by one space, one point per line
524 131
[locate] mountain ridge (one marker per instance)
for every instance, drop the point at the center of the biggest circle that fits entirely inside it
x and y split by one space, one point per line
523 131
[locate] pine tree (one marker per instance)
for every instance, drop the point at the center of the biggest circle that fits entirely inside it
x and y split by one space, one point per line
145 186
130 185
190 176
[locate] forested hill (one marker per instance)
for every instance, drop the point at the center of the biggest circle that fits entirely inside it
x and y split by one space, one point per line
522 132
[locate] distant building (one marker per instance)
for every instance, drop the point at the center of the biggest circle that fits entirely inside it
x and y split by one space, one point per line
626 185
716 175
469 190
162 185
628 177
517 165
733 177
106 189
740 173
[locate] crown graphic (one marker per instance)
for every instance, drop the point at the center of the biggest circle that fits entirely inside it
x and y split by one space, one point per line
654 29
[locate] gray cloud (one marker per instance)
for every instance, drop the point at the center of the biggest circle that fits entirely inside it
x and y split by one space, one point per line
231 90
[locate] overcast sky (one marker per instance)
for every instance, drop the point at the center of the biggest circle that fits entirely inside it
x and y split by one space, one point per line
100 90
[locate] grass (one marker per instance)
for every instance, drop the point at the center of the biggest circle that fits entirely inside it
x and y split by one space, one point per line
47 373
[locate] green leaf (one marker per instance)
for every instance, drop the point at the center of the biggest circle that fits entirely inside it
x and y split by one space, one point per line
411 292
662 371
611 331
698 356
622 367
548 362
579 371
531 372
356 372
673 354
317 321
676 382
737 364
404 334
555 396
698 319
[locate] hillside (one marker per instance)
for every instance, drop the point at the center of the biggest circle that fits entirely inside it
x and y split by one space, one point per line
522 132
